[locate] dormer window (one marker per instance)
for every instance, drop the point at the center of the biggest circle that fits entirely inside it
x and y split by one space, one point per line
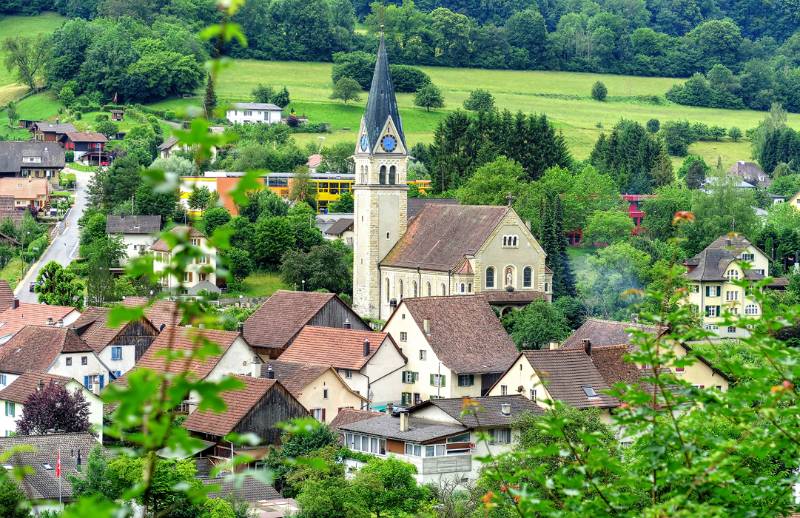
589 391
732 275
747 257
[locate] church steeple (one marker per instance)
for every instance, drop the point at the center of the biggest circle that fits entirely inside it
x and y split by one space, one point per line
382 104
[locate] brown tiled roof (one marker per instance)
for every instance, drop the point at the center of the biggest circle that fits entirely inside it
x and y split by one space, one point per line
24 188
294 376
339 348
6 296
479 412
162 246
465 333
35 348
13 319
282 316
604 332
565 372
238 404
417 204
159 312
86 136
26 384
92 326
513 297
154 359
440 236
610 363
349 416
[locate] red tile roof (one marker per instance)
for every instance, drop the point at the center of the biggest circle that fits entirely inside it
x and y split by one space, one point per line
465 333
6 295
238 404
35 348
339 348
14 319
604 332
565 372
26 384
282 316
296 376
92 326
161 312
86 136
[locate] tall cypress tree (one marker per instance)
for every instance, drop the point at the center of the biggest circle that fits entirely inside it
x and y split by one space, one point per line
554 244
210 101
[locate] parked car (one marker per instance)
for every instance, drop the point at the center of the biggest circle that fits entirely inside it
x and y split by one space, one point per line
33 286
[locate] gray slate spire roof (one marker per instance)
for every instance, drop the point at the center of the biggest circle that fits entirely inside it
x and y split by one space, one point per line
381 102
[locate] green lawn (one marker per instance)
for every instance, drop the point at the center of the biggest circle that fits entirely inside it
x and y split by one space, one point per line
11 26
263 284
12 272
36 107
563 96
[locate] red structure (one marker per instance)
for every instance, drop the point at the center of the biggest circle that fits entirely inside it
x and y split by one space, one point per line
634 209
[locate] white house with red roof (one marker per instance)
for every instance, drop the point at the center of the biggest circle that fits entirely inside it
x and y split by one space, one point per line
21 314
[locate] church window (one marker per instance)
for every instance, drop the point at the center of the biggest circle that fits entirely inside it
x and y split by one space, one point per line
387 235
392 175
463 288
388 294
414 286
444 290
527 277
469 287
382 176
401 290
429 289
490 277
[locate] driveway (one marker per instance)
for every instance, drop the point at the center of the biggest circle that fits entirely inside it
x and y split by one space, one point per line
64 248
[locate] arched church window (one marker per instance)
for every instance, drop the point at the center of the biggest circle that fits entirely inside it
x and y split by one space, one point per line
414 286
392 175
444 290
463 288
388 294
527 277
382 177
490 277
429 289
401 290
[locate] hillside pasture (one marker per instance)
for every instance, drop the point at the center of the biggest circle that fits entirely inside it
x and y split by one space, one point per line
11 26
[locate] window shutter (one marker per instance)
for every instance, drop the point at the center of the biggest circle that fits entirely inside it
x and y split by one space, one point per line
86 382
441 380
102 381
323 415
431 379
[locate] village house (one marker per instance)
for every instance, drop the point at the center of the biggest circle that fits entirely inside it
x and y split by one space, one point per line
28 193
14 396
172 147
608 342
751 173
319 388
199 276
138 233
276 323
118 347
548 375
36 456
52 350
711 275
445 249
31 159
259 113
21 314
441 437
456 347
340 229
369 362
45 131
88 145
255 408
161 312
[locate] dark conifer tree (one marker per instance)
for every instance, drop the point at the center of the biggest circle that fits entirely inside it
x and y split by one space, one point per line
554 244
210 100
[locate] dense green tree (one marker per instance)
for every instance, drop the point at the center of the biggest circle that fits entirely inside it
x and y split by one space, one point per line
274 236
608 226
263 93
345 204
238 262
614 279
554 243
653 125
536 325
12 499
150 201
214 218
327 266
337 158
102 255
429 96
493 183
58 286
332 498
388 486
695 175
599 91
94 481
479 100
526 30
26 57
263 202
735 133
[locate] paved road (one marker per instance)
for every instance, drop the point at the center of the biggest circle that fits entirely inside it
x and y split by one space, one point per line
64 247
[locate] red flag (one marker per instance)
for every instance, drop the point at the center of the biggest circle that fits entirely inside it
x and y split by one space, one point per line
58 465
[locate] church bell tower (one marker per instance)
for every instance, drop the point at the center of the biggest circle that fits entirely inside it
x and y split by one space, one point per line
379 191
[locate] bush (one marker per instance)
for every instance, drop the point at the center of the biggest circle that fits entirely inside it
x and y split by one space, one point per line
479 101
653 125
599 91
66 180
69 156
408 79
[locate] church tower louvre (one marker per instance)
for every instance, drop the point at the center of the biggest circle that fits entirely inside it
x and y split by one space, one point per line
380 190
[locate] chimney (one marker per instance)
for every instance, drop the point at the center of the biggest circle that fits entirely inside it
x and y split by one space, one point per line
505 408
554 346
49 321
255 367
587 346
16 303
240 327
404 421
426 326
366 346
270 373
347 324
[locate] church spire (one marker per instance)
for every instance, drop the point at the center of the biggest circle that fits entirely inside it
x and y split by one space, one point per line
381 103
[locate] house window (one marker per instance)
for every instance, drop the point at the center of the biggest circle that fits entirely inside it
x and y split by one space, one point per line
732 275
695 288
187 276
403 336
405 399
466 380
195 241
69 362
413 450
382 175
324 393
248 113
747 257
414 287
318 414
84 360
423 355
463 288
500 436
589 391
533 394
712 311
503 390
732 330
10 408
510 241
469 287
731 295
438 380
388 294
417 398
410 376
527 277
3 380
490 277
444 290
348 374
713 291
116 353
751 309
392 175
734 311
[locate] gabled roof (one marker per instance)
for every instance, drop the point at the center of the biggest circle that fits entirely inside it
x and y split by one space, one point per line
339 348
162 246
712 263
24 188
6 296
340 226
610 363
168 143
184 337
15 318
86 136
250 490
481 412
35 348
238 404
11 153
566 372
54 127
43 484
604 332
465 333
417 204
26 384
348 416
257 106
419 430
133 224
296 376
92 326
283 315
159 313
441 235
381 103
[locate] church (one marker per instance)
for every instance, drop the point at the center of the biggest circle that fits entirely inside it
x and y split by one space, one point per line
444 249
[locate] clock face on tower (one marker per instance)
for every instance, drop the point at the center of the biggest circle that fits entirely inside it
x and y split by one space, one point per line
389 143
364 143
